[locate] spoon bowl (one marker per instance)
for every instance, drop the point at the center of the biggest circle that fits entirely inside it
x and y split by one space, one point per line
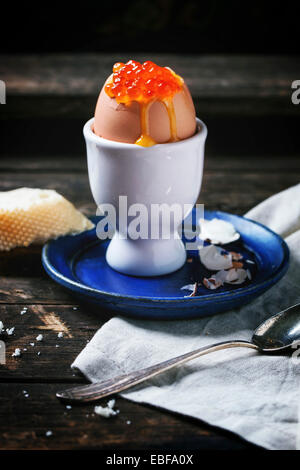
279 331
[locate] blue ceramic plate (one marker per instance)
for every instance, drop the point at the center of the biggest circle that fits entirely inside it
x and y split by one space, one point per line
78 263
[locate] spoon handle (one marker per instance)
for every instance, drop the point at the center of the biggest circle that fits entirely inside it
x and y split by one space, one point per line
91 392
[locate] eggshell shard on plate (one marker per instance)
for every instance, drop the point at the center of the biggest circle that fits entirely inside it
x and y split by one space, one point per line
232 276
214 258
122 122
237 276
218 231
191 287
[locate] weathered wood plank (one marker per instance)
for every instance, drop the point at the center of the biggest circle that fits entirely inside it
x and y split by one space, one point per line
21 263
38 290
230 136
55 85
77 164
206 75
82 107
25 421
38 163
236 192
77 323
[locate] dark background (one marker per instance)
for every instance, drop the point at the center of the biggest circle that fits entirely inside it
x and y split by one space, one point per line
179 26
158 26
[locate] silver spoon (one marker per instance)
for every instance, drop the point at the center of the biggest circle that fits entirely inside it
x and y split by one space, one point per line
276 334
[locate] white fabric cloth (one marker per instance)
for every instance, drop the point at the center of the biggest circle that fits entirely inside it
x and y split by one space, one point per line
240 390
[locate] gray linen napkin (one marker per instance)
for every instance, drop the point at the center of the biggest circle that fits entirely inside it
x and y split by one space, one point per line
255 396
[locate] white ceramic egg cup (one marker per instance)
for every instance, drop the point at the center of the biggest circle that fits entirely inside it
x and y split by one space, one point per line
162 174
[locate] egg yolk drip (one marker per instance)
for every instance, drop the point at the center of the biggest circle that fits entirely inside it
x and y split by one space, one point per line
145 83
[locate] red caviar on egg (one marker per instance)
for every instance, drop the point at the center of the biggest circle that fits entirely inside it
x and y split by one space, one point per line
145 83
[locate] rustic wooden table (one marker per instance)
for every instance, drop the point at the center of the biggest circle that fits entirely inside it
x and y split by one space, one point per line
236 177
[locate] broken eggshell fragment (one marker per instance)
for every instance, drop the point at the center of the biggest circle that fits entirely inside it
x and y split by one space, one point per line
232 276
215 258
211 283
217 231
236 256
191 287
216 280
237 276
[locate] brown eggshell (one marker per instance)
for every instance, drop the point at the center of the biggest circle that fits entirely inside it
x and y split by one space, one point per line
122 123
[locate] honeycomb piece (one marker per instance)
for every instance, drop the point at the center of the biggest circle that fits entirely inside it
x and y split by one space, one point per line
30 215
